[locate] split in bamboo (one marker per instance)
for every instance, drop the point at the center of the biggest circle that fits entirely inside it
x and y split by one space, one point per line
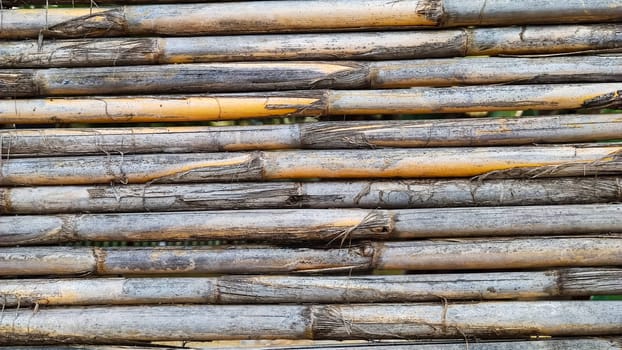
120 324
574 343
276 76
300 225
178 108
15 143
426 255
292 16
548 40
427 193
486 162
312 289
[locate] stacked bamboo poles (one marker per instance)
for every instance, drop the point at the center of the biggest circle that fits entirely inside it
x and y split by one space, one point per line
477 210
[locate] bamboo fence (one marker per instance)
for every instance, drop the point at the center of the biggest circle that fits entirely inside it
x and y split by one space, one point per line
450 254
534 40
285 16
215 107
318 135
485 162
363 321
425 193
242 289
274 76
300 225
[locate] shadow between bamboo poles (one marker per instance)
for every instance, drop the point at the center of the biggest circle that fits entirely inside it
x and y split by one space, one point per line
363 321
426 255
485 162
275 76
353 46
314 103
311 289
285 16
15 143
426 193
331 226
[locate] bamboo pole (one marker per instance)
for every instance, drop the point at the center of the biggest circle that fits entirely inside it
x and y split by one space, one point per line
427 193
486 162
312 289
481 344
422 255
299 225
287 16
320 135
178 108
364 321
275 76
353 46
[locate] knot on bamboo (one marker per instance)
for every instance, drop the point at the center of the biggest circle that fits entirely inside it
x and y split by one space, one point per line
431 10
108 22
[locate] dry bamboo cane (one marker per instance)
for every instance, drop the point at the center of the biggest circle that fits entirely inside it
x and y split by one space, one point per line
177 108
296 16
300 225
15 143
353 46
423 255
460 344
486 162
311 289
364 321
428 193
275 76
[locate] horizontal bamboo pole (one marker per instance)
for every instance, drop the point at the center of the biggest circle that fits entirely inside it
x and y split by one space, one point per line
488 162
320 135
295 16
422 255
327 225
275 76
311 289
352 46
182 108
364 321
428 193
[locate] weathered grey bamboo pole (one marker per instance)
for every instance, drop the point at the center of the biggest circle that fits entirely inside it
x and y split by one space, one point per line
275 76
327 225
540 344
426 255
307 289
320 135
286 16
353 46
176 108
506 162
363 321
428 193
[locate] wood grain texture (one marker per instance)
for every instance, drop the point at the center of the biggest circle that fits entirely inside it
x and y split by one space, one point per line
393 45
423 255
183 108
312 289
365 321
486 162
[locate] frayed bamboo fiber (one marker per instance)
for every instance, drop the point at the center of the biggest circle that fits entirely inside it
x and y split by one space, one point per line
425 255
485 162
275 76
312 289
534 40
15 143
295 16
364 321
184 108
427 193
336 226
